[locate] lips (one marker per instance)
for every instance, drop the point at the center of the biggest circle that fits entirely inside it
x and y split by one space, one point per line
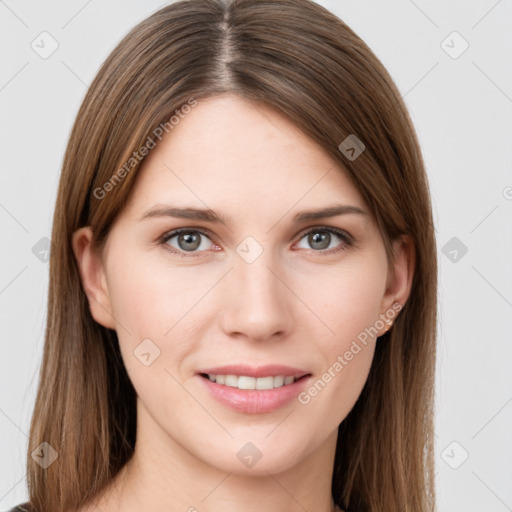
254 401
271 370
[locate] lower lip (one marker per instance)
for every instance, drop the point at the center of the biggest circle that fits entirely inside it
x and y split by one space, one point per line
254 401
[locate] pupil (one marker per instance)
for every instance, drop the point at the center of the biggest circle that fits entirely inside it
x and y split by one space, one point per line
191 241
322 239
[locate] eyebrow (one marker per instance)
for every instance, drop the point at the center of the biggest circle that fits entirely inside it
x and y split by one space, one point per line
207 215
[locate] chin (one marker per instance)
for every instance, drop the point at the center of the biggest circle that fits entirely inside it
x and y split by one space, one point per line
256 457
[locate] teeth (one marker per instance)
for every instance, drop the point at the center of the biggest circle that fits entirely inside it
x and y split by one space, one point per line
245 382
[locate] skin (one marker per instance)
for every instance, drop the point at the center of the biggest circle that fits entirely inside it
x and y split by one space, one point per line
296 304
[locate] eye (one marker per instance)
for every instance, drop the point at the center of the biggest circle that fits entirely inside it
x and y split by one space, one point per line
322 238
182 241
188 242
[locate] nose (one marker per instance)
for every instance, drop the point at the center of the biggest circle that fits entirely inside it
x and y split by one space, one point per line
257 303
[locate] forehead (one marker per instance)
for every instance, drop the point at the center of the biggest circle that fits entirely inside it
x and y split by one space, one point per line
231 153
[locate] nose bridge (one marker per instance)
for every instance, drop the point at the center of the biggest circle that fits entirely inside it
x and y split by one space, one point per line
258 302
256 277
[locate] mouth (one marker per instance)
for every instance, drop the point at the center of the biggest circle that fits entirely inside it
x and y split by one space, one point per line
254 390
248 382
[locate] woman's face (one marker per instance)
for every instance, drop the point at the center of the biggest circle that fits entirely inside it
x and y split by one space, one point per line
270 291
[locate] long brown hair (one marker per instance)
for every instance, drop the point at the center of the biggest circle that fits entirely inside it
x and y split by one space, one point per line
303 61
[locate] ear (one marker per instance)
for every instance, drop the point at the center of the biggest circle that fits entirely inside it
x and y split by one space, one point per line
93 277
399 282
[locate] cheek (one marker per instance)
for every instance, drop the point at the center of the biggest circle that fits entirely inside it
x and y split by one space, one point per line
148 296
346 298
159 310
147 302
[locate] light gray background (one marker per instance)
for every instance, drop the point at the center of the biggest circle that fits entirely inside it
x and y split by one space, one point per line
462 110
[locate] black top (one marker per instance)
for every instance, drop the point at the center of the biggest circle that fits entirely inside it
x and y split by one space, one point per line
24 507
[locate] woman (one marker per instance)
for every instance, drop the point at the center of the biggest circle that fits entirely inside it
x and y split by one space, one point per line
242 302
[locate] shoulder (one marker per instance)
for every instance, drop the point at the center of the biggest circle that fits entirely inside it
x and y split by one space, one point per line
24 507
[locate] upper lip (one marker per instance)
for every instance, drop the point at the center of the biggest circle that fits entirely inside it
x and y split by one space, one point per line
270 370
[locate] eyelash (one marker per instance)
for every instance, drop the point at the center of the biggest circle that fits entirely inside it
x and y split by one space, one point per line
347 240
